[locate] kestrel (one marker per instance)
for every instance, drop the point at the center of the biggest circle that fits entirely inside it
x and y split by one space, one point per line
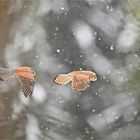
24 74
80 79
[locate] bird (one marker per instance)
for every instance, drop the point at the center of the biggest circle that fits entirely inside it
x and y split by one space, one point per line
25 75
80 79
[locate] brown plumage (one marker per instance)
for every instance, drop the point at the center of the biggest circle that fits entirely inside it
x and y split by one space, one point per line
80 79
24 74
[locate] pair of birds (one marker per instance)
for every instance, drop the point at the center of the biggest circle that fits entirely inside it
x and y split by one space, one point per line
26 76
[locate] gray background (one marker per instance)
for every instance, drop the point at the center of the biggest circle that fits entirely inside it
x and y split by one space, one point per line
59 36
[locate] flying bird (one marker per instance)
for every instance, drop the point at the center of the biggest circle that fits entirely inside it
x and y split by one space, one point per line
80 79
24 74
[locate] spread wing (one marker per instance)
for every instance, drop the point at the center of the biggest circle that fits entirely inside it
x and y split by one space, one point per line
1 79
6 74
62 79
80 82
27 85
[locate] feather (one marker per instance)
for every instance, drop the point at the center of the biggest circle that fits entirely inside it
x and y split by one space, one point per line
27 86
80 82
6 74
62 79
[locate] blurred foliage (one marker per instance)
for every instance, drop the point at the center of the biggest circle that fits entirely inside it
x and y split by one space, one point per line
134 6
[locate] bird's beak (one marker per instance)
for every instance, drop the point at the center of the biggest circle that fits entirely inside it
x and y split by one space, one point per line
95 78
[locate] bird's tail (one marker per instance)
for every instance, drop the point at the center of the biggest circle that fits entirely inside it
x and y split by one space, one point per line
6 74
62 79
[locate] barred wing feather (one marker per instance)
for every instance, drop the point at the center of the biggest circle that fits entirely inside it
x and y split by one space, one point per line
80 82
62 79
27 86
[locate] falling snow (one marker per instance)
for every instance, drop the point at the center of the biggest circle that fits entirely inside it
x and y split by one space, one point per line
58 51
57 37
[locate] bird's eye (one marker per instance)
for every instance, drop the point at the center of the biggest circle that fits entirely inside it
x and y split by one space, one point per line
33 73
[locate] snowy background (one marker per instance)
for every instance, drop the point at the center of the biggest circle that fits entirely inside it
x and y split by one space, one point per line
59 36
